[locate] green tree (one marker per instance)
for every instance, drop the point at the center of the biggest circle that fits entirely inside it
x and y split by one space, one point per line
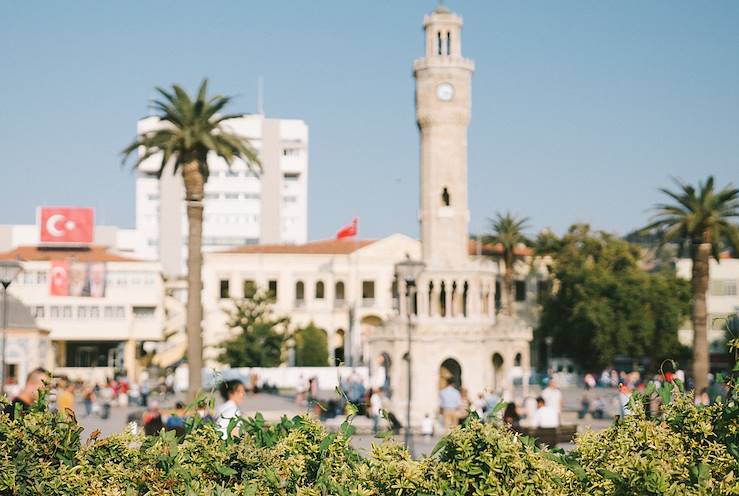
261 335
701 220
605 305
311 347
188 131
507 231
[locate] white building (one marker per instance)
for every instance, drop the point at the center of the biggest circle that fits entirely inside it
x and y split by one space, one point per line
241 207
343 286
96 335
722 299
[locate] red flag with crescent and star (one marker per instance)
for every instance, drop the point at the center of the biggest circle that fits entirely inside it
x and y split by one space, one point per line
59 278
349 231
66 225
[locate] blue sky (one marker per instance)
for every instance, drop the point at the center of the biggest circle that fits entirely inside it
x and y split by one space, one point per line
581 109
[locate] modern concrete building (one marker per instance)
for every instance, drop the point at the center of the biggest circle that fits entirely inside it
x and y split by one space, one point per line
241 206
722 299
455 334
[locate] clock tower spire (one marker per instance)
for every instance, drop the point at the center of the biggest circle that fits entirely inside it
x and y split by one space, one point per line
443 80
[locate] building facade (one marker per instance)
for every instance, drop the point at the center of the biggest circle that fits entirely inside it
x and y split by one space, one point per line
449 326
99 307
722 300
242 207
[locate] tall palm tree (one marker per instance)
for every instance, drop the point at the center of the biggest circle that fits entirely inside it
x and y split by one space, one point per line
507 231
188 131
699 219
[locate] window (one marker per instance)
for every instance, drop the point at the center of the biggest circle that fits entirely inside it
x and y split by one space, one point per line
54 312
250 288
82 312
438 43
368 293
94 312
152 197
445 197
41 277
448 43
144 313
299 293
120 312
723 287
542 289
38 312
231 196
291 177
498 296
272 289
223 292
27 278
339 291
251 196
320 290
211 196
67 312
290 199
290 152
108 312
520 288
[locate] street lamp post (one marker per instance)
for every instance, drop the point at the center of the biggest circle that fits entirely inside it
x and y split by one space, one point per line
549 340
9 270
409 271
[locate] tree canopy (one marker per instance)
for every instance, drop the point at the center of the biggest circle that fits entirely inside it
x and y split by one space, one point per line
261 335
604 305
311 347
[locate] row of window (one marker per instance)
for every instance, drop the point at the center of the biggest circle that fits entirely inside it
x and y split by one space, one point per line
120 279
232 219
319 290
232 196
723 287
91 312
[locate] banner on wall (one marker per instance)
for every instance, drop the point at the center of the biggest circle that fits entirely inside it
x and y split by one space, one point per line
73 278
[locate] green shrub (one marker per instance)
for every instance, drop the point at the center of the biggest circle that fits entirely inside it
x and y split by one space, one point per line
688 450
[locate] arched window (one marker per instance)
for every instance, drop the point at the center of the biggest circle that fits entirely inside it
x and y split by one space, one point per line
438 42
299 293
445 200
320 290
448 43
339 292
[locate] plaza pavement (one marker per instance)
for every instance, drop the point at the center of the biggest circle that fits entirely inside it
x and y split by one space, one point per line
273 407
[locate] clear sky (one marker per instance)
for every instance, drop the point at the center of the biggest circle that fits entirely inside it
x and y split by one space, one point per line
581 109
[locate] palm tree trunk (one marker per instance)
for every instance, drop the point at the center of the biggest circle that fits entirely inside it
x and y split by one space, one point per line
194 186
508 283
699 283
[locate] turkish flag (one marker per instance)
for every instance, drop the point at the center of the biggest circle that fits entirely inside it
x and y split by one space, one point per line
349 231
59 278
66 225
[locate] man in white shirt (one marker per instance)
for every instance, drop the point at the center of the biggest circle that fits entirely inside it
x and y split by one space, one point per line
545 416
552 396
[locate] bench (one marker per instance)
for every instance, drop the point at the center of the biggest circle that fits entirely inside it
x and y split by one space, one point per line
550 436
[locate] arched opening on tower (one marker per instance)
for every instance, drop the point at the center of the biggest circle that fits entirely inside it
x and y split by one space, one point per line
465 299
445 199
438 42
431 310
517 360
498 379
442 300
383 370
448 43
450 372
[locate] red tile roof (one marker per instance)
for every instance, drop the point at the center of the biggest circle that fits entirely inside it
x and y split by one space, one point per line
40 253
324 247
490 249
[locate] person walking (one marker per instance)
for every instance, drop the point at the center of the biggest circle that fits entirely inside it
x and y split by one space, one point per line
88 398
65 397
450 402
233 393
553 396
35 381
376 409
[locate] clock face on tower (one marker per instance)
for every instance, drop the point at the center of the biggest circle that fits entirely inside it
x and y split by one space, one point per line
445 92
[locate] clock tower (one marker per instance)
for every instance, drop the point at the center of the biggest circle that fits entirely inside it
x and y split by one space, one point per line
443 80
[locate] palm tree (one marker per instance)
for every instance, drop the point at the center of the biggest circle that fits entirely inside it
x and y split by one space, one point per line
700 220
507 231
189 130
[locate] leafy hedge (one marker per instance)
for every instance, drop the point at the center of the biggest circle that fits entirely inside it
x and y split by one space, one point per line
690 450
